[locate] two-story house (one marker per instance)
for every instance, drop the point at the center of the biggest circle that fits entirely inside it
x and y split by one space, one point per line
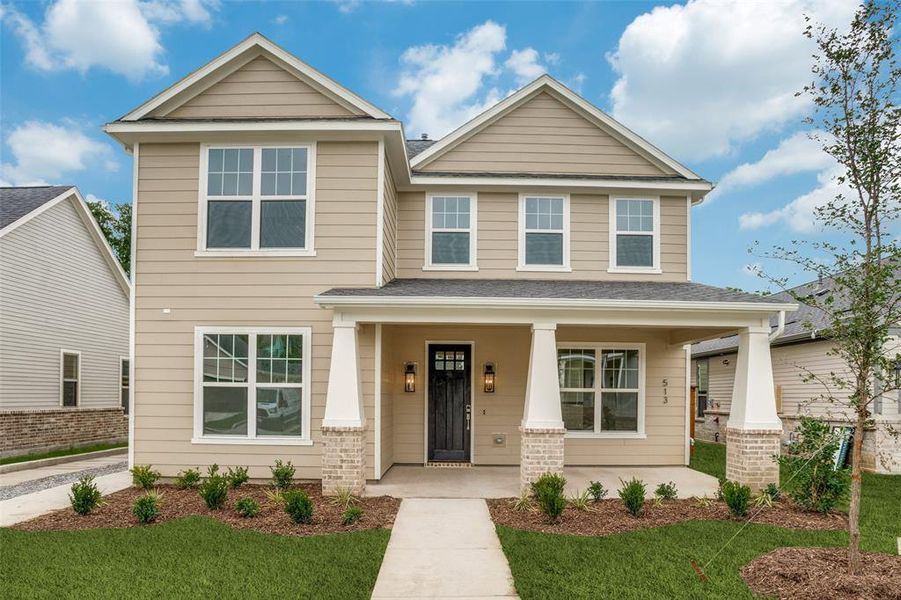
310 285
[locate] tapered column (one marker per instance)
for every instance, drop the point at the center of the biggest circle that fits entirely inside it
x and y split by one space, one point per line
754 430
541 443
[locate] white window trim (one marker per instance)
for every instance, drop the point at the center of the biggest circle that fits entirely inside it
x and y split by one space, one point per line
642 387
200 438
62 380
655 268
522 266
472 230
256 204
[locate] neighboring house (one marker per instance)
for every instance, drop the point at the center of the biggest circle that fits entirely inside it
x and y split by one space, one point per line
802 362
311 286
64 367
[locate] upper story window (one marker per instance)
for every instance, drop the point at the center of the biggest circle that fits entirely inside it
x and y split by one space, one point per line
257 199
543 233
451 232
634 236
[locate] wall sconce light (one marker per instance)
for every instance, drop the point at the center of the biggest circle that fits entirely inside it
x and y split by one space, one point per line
410 377
489 378
725 361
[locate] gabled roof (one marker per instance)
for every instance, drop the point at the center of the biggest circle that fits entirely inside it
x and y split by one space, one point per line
252 47
15 212
548 84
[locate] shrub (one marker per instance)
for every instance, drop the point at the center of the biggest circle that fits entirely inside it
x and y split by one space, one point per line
580 501
548 492
597 490
282 474
772 490
85 496
147 507
298 506
247 507
767 496
143 476
344 498
187 479
737 497
667 491
276 496
632 494
352 514
214 489
811 478
236 476
522 503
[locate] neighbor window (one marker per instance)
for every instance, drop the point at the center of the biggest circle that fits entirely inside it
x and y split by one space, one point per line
252 385
258 198
70 375
124 378
451 225
601 389
544 232
634 238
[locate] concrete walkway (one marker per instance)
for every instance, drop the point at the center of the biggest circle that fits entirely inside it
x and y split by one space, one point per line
444 548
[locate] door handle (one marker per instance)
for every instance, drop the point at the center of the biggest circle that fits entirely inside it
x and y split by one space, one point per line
468 416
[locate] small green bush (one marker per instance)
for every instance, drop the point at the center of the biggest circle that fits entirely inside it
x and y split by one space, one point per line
187 479
298 506
548 492
667 491
276 496
237 476
633 494
344 498
146 508
85 496
214 489
772 490
597 490
282 474
737 497
352 514
811 479
580 501
522 503
247 507
143 476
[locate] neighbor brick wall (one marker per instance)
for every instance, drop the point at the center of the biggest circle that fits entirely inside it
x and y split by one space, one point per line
343 459
27 431
541 451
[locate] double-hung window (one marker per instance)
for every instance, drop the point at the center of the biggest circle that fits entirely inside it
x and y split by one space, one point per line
252 385
602 389
634 239
70 378
543 233
702 378
451 232
257 199
124 383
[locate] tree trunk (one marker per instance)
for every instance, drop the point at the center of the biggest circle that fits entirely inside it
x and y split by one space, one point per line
854 511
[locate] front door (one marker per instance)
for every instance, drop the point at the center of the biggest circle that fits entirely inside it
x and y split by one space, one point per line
450 407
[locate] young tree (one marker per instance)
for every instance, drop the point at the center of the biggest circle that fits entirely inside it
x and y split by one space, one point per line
116 227
854 93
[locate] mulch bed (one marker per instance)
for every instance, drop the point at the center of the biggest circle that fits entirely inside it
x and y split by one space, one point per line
815 573
378 512
610 516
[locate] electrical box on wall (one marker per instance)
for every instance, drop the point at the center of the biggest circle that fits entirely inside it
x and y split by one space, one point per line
499 440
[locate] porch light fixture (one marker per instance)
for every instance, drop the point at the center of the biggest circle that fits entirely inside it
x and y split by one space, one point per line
410 377
489 378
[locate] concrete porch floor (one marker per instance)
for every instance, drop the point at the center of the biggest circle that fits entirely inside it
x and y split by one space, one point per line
414 481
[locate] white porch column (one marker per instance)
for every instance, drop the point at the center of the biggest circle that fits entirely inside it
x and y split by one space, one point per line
541 444
754 430
344 424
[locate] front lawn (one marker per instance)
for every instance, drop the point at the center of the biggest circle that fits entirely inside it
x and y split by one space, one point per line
194 557
61 452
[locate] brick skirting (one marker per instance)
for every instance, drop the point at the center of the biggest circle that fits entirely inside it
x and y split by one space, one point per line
343 459
540 452
30 431
750 456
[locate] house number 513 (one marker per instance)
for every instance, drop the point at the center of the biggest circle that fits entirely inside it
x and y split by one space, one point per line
665 396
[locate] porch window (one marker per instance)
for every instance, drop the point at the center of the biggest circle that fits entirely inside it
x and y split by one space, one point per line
634 240
451 225
252 385
544 233
601 389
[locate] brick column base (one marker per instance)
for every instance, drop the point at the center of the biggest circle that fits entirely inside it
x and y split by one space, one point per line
343 459
540 452
750 456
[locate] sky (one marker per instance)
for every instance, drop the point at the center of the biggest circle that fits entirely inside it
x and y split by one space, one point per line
712 83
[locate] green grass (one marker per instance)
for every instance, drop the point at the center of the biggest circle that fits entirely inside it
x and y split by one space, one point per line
195 557
709 458
61 452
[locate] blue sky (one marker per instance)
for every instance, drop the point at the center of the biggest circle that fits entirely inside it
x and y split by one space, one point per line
711 83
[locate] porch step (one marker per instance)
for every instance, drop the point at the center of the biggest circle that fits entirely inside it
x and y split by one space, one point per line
449 465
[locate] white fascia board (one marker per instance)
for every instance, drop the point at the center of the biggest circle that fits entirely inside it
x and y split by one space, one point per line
562 182
126 127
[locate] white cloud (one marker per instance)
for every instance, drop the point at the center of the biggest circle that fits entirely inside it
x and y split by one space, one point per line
552 58
177 11
280 19
347 6
799 214
700 78
44 152
526 65
576 82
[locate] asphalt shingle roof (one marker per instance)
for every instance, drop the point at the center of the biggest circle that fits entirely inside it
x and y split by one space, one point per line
16 202
414 147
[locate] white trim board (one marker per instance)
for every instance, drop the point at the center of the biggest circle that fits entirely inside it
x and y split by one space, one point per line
473 230
522 231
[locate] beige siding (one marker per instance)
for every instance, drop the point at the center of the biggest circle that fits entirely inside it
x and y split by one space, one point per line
720 380
498 239
244 292
57 291
501 412
260 89
389 241
543 136
390 370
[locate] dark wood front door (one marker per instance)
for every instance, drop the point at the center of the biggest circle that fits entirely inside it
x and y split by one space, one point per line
450 407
